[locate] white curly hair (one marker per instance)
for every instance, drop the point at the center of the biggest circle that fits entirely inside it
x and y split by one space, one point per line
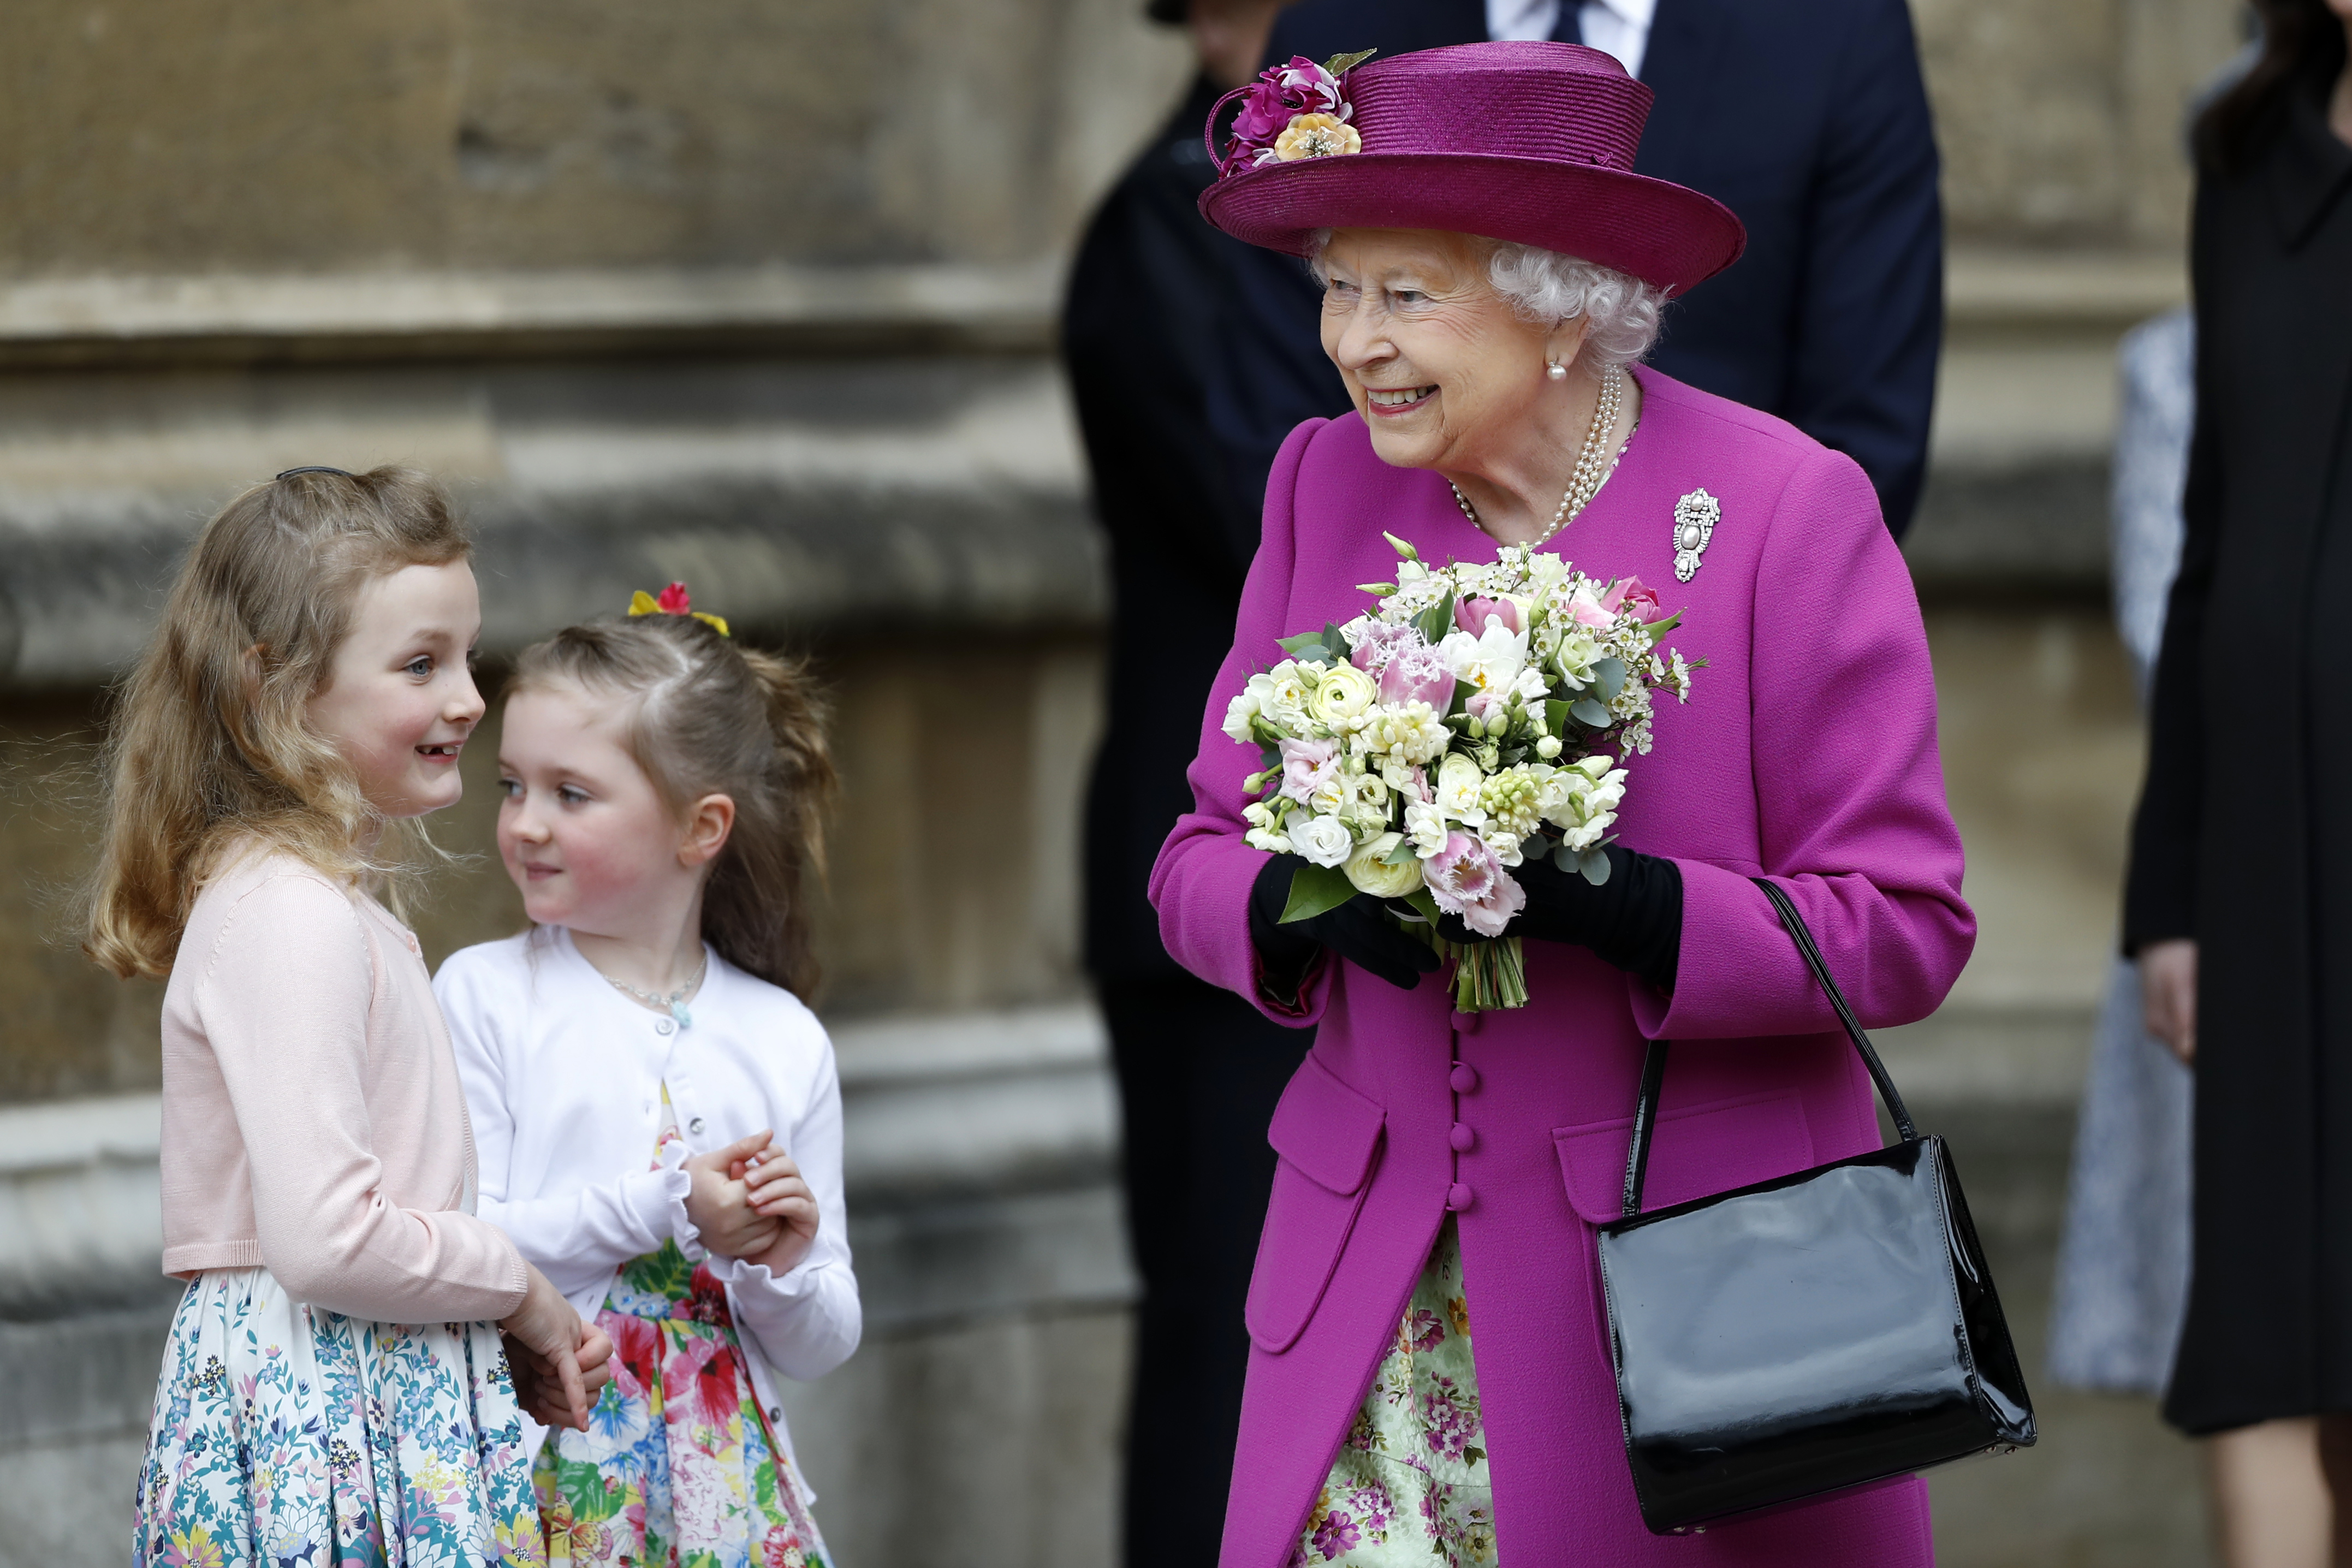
1547 287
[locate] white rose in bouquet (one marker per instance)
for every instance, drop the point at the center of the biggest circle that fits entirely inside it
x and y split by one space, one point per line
1424 824
1241 710
1341 695
1369 869
1323 841
1459 780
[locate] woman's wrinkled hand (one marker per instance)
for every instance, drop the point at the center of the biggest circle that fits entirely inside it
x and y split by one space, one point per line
718 1201
558 1361
2168 995
1358 931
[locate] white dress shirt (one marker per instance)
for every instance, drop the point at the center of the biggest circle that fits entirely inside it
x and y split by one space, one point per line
563 1076
1619 27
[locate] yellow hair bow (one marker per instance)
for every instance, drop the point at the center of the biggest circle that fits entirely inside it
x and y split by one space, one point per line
674 601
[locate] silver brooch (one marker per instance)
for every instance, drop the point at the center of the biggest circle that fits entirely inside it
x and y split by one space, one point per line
1696 516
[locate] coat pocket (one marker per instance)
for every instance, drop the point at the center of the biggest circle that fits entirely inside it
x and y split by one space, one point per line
1699 1150
1329 1138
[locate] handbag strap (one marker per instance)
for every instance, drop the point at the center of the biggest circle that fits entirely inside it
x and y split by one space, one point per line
1654 1063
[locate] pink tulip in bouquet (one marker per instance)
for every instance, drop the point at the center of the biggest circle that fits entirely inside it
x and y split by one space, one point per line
1463 727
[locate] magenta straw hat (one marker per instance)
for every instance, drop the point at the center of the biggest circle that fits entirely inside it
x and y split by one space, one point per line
1525 141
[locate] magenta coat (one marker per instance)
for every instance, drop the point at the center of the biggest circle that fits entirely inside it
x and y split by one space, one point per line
1807 751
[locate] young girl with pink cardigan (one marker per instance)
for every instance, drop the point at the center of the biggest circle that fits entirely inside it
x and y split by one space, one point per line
337 1386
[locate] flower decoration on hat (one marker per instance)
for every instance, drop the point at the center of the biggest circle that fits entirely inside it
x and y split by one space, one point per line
674 601
1292 111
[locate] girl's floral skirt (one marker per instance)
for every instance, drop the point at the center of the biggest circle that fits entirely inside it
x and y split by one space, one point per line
1410 1485
677 1467
288 1437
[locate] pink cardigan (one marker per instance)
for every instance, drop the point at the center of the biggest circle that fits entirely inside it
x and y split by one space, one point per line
1808 752
313 1122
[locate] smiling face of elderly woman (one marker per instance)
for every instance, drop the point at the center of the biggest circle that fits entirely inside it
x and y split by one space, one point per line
1450 369
1438 362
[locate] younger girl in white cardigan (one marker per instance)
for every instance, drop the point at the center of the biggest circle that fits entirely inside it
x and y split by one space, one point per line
657 1111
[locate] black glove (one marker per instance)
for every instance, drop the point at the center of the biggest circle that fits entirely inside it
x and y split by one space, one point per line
1634 920
1358 931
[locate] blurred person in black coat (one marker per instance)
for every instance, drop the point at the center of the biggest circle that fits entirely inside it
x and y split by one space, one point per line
1807 118
1199 1069
2239 903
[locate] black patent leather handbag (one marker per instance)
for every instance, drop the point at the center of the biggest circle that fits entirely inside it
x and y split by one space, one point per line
1804 1334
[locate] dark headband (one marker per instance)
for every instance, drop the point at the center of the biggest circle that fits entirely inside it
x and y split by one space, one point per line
317 469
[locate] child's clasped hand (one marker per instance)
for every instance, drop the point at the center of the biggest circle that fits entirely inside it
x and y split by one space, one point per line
720 1201
749 1201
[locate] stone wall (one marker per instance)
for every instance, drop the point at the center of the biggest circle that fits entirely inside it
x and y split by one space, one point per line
2061 120
176 136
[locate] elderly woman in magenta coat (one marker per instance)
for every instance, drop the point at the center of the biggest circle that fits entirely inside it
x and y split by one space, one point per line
1430 1377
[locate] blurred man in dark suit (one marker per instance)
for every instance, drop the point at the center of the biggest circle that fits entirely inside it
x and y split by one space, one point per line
1151 296
1807 118
1831 320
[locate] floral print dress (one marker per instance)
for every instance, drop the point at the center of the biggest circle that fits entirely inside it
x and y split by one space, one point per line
677 1467
285 1435
1410 1486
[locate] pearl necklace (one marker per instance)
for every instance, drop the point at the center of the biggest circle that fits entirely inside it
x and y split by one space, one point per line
1594 464
674 1003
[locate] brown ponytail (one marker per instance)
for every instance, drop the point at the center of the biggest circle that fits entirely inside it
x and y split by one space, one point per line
714 718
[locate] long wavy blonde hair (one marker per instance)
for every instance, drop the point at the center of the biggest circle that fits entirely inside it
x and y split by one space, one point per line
708 716
211 744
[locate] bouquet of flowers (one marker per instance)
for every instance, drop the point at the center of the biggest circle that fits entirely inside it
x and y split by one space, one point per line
1420 753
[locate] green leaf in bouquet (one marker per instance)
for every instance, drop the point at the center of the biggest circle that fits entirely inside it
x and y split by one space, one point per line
1423 905
1340 65
1660 628
1270 758
1314 889
1590 713
1609 676
1555 715
1434 622
1514 755
1307 645
1594 865
1459 702
1402 854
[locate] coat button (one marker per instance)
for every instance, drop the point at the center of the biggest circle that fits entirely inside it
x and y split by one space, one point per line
695 1125
1466 1023
1463 1078
1457 1196
663 1025
775 1412
1461 1137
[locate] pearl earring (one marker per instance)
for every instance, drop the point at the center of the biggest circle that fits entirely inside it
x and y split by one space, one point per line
1555 371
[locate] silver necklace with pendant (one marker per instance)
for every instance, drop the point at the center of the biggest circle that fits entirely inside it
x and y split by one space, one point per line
674 1003
1594 464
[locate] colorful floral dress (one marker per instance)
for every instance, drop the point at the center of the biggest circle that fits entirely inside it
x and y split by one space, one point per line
677 1467
1410 1485
288 1437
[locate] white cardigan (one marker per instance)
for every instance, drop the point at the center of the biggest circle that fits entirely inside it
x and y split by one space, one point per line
563 1075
